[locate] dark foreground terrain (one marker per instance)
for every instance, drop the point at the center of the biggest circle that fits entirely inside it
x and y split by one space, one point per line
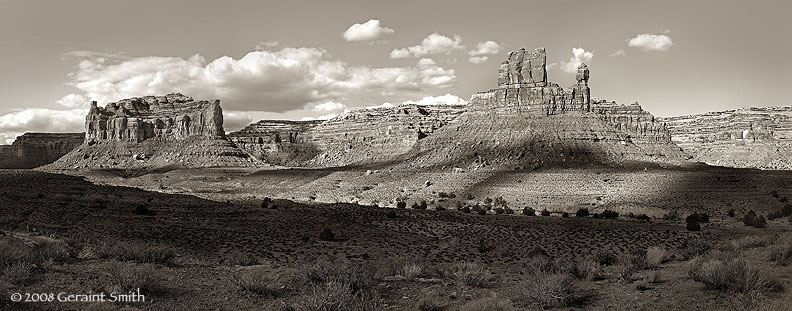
65 234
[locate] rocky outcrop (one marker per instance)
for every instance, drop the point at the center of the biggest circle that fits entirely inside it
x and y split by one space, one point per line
36 149
154 132
356 137
172 116
746 137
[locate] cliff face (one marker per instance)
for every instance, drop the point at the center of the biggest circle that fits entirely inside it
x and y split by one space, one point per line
356 137
155 131
746 137
36 149
172 116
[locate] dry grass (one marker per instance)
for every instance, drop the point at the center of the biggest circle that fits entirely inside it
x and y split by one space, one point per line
655 256
17 273
729 275
431 301
137 252
551 289
356 277
781 254
587 268
131 277
650 277
412 270
471 274
488 304
258 282
335 296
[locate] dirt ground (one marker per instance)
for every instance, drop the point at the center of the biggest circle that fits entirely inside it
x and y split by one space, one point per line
210 232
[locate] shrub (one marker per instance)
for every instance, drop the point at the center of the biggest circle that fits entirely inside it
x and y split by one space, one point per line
650 277
466 210
671 216
695 247
781 254
488 304
583 212
483 246
609 214
693 226
786 210
391 214
481 211
422 205
760 222
605 257
131 277
401 204
18 272
499 201
587 268
626 266
551 289
750 218
545 212
266 202
528 211
126 251
356 277
499 210
728 275
431 302
326 235
730 213
257 282
509 211
415 205
565 215
696 217
142 210
411 270
471 274
655 256
337 296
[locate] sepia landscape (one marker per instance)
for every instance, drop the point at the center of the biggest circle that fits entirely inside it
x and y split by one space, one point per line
148 191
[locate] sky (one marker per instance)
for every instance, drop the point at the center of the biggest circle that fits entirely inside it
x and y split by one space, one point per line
315 59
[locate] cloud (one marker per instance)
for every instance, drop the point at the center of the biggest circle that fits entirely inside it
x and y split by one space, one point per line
432 44
367 31
73 101
579 56
618 53
266 45
273 81
446 99
478 55
40 120
235 120
651 42
330 107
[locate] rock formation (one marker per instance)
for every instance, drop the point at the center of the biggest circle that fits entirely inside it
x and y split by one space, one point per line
361 136
155 131
36 149
746 137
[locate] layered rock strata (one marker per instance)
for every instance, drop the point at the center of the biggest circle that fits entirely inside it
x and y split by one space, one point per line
36 149
746 137
155 131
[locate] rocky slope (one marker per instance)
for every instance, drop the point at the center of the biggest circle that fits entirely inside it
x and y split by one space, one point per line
746 137
35 149
152 132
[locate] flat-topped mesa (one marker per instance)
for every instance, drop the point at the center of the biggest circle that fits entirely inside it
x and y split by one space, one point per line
166 117
35 149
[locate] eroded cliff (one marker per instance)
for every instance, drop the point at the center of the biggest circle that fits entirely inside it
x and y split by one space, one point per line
36 149
746 137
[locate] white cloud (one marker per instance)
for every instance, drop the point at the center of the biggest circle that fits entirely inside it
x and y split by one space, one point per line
330 107
579 56
275 81
478 55
618 53
383 105
73 101
432 44
40 120
367 31
478 59
446 99
651 42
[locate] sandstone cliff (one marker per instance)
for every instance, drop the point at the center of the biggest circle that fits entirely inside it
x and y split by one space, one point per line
36 149
746 137
155 131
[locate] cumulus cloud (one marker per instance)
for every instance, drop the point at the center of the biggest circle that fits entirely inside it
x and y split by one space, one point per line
40 120
236 120
274 81
618 53
266 45
579 56
447 99
73 101
330 107
478 55
367 31
432 44
651 42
